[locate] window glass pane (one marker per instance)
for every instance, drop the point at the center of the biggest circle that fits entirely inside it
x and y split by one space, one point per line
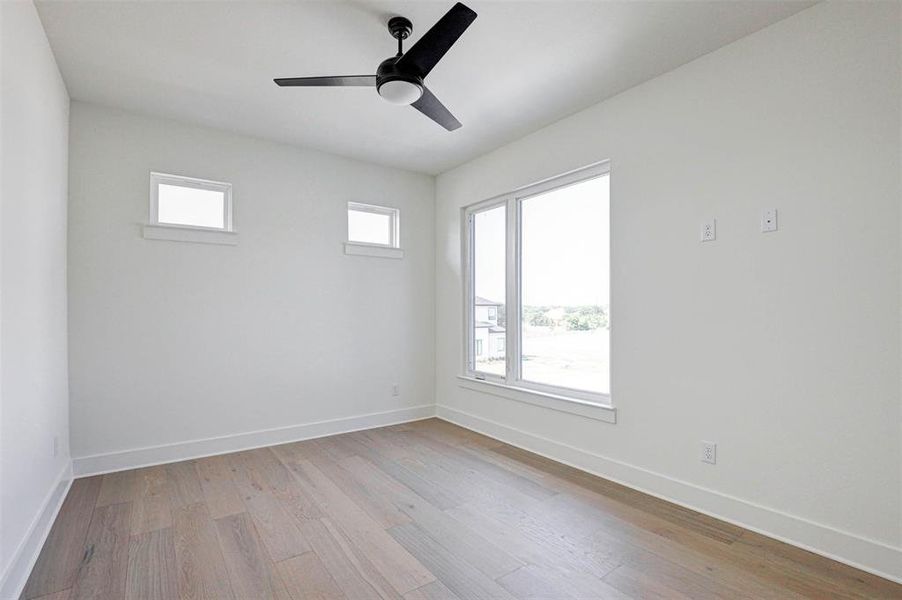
566 287
179 205
369 227
488 286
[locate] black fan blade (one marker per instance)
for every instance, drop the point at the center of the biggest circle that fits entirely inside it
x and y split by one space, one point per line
361 80
430 48
430 106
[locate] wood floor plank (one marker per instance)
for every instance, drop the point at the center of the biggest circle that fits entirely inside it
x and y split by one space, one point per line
534 582
276 527
445 471
575 561
431 591
220 492
352 570
535 539
307 579
152 570
453 571
250 571
455 434
634 583
384 453
359 488
486 469
678 515
401 569
260 471
202 574
781 556
184 484
686 548
63 595
58 562
460 539
674 579
105 564
117 488
435 494
151 507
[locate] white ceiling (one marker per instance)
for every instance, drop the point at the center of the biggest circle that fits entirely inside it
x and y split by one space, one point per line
520 66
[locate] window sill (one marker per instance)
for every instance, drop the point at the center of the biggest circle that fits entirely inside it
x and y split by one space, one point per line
187 234
599 412
356 249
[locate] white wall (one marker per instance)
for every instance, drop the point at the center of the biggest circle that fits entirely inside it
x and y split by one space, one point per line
172 342
34 115
783 348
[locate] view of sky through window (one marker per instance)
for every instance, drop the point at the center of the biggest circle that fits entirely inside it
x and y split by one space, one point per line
566 287
369 227
180 205
488 313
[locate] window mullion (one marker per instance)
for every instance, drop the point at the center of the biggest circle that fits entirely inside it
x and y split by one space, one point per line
512 290
471 294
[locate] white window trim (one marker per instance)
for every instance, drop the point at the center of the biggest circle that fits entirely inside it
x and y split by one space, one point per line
374 250
155 230
394 215
512 385
583 408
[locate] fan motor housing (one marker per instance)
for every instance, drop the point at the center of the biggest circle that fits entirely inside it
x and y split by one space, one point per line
388 71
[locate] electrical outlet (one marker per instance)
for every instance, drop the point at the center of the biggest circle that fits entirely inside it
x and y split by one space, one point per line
395 389
769 220
708 231
709 452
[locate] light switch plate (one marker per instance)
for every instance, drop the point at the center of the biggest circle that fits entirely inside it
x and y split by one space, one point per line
769 220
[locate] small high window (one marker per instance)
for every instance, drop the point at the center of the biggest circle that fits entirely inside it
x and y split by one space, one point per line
374 225
177 201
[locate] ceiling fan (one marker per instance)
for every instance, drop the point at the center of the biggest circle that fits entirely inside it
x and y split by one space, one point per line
399 79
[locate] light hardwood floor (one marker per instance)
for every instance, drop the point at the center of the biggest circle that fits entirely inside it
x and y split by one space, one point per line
420 511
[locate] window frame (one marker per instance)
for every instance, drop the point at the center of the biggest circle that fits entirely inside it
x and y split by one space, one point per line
394 215
512 202
156 179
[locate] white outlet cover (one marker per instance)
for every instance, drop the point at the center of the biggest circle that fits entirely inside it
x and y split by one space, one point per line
708 231
709 453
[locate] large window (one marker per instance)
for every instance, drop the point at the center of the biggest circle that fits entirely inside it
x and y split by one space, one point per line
538 287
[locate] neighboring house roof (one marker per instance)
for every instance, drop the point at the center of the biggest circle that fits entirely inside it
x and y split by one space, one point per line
480 301
492 327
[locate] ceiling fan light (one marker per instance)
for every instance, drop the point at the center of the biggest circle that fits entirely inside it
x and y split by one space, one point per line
399 91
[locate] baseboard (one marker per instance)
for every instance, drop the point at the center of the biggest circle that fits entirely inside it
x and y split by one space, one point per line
97 464
856 551
23 558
